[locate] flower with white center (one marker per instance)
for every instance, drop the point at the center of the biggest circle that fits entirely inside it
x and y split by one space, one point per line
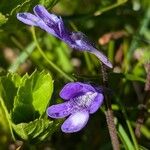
80 101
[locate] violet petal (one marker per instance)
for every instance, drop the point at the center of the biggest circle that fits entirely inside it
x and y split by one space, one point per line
55 26
33 20
74 89
82 43
28 18
52 21
87 87
43 26
59 110
97 102
42 13
75 122
102 57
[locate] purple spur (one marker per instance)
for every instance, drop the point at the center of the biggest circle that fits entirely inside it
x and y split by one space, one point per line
54 25
80 101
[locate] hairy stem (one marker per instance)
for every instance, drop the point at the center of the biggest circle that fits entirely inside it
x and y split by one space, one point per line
141 115
109 113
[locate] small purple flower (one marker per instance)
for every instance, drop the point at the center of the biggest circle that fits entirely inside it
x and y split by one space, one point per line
55 26
80 101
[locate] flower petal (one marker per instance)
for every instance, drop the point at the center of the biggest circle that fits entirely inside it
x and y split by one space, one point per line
59 110
42 13
54 24
87 87
74 89
75 122
52 21
82 43
28 18
102 57
43 26
97 102
33 20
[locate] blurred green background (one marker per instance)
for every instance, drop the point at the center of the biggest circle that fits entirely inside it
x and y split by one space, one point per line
119 28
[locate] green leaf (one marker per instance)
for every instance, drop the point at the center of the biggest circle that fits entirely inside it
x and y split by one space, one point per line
3 19
145 131
36 130
22 57
133 77
124 138
7 92
24 101
15 78
63 57
33 97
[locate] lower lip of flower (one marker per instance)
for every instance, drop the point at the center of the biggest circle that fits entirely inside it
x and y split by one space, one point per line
85 100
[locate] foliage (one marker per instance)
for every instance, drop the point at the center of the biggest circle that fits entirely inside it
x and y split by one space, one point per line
24 101
31 60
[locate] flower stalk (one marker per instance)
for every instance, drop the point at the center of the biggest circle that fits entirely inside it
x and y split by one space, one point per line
49 61
109 113
142 106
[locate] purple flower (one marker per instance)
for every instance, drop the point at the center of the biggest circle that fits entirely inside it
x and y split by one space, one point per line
80 101
55 26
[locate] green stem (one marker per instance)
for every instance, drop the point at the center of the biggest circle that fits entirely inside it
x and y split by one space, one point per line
129 126
8 118
111 50
95 14
131 131
118 3
49 61
124 137
88 63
